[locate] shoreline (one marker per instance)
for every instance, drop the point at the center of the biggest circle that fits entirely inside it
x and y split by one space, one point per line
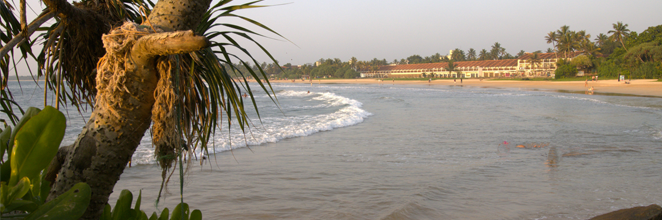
638 87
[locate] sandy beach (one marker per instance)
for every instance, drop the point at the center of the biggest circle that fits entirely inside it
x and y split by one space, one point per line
639 87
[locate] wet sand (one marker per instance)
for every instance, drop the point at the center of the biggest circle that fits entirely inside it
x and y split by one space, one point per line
639 87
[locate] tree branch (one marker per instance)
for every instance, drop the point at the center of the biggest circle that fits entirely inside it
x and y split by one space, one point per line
34 25
162 44
63 8
178 15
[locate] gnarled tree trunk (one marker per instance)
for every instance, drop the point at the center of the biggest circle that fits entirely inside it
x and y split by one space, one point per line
126 80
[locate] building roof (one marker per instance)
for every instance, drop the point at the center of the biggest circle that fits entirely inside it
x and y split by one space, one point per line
459 64
550 55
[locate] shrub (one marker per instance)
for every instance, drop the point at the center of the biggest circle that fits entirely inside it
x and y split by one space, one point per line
566 71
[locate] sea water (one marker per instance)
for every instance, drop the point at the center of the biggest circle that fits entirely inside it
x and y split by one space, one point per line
339 151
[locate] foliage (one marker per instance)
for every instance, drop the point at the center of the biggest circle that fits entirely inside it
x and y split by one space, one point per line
38 136
652 34
36 140
123 210
647 70
582 62
619 33
645 52
565 71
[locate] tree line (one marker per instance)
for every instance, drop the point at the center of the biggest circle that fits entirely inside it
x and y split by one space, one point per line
336 68
619 52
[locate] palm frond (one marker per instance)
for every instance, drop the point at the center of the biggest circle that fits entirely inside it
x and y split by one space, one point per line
208 93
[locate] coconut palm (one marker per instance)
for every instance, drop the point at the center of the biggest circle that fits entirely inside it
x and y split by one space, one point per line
589 48
452 68
534 61
484 55
601 39
620 32
471 54
136 64
566 40
551 39
497 51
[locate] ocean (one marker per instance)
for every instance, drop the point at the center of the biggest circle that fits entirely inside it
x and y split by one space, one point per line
351 151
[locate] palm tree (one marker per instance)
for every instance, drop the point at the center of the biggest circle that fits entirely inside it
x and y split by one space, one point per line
601 39
452 68
158 71
484 55
471 54
458 55
566 40
551 39
590 48
620 32
534 61
496 51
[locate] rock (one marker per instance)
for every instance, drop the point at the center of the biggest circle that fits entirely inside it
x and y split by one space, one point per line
651 212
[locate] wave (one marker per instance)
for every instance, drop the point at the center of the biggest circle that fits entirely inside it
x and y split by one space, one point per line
279 127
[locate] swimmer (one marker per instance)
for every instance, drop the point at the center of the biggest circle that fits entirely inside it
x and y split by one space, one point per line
308 92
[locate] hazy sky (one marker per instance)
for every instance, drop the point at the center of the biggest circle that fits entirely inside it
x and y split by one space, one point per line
388 29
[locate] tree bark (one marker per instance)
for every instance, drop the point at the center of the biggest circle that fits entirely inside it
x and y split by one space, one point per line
124 102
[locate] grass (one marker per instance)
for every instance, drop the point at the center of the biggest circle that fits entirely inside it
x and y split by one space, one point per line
417 79
579 78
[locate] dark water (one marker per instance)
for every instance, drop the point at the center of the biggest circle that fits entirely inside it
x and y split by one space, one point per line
433 152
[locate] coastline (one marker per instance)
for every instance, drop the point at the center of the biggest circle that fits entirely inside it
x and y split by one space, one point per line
638 87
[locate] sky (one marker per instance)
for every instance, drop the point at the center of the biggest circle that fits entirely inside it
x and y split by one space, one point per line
387 29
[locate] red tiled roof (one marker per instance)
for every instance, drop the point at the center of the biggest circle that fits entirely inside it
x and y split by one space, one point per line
550 55
459 64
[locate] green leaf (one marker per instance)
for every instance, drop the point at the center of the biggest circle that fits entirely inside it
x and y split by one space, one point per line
4 191
107 215
122 208
17 191
196 215
36 144
31 112
45 189
137 207
164 214
4 140
22 205
179 211
141 215
5 171
70 205
153 217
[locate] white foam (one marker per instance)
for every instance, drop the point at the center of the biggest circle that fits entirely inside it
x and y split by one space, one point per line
276 128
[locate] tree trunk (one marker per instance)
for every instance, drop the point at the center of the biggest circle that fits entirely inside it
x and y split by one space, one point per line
124 101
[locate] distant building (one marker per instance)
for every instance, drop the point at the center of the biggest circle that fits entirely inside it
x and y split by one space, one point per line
318 63
470 69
